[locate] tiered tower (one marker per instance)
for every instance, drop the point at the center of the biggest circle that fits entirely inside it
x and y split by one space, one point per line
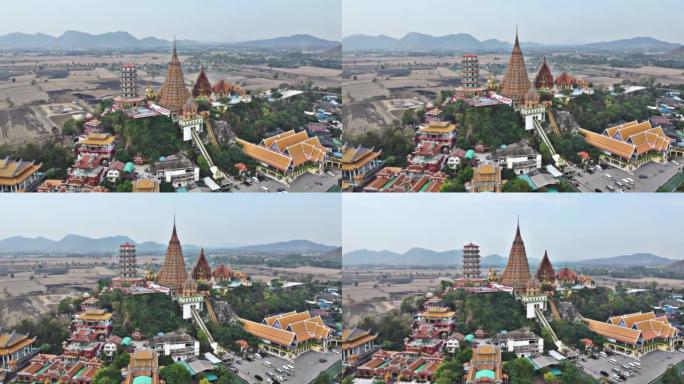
173 94
471 261
202 270
129 81
172 273
544 78
470 72
516 83
517 272
545 272
127 261
202 86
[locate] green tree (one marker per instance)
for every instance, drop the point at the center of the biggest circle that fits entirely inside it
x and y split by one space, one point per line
175 374
516 185
69 128
520 371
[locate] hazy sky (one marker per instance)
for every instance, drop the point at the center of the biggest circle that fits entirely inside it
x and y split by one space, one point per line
543 21
202 219
203 20
571 227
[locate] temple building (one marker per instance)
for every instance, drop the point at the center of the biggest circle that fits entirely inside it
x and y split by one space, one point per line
172 273
286 156
173 94
532 298
290 334
532 110
515 83
636 334
407 366
65 369
16 350
357 346
471 261
97 320
630 145
189 299
437 315
486 178
143 367
202 87
190 120
545 272
544 78
201 271
101 145
485 366
441 132
517 271
359 165
129 88
17 176
83 342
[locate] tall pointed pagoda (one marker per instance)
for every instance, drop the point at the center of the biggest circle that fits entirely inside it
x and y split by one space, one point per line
202 86
201 270
173 94
517 272
544 78
545 272
516 83
172 273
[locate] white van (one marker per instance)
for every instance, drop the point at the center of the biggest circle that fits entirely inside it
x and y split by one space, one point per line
263 189
268 364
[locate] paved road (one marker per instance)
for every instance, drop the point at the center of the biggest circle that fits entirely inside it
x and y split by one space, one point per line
653 365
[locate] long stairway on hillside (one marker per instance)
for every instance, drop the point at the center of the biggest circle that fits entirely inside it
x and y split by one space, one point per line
544 137
216 172
545 324
203 327
554 310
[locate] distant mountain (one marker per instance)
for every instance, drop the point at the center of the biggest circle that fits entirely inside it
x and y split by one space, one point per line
465 42
646 44
291 42
124 40
494 261
292 246
110 244
421 42
68 244
414 256
635 260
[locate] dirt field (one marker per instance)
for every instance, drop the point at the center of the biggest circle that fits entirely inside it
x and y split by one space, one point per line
372 292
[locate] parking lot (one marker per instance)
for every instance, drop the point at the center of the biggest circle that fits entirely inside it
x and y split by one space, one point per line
648 178
307 367
307 182
653 365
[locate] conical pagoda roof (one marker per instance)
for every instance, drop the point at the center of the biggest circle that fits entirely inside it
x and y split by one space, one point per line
173 94
516 83
202 270
202 86
172 273
544 78
517 272
545 272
